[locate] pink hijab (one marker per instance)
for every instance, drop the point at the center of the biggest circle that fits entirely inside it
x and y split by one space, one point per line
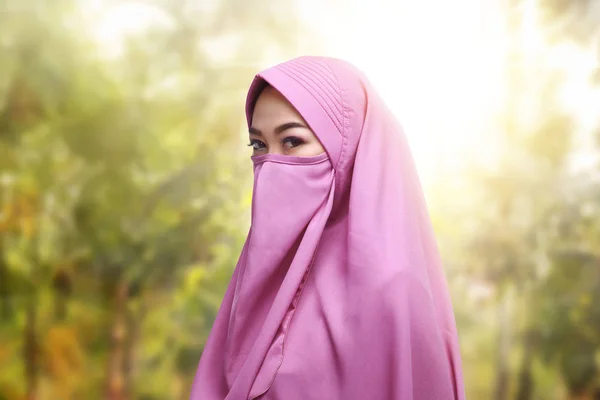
339 292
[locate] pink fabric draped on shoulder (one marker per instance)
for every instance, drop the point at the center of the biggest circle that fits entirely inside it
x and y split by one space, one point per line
339 293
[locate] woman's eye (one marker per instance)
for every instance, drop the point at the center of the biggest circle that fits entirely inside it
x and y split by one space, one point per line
256 144
291 142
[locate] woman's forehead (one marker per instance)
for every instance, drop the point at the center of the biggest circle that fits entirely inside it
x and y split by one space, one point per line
273 108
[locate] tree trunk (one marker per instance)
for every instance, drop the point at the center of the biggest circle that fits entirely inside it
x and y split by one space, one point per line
61 283
525 390
134 325
502 367
30 350
60 307
5 307
115 380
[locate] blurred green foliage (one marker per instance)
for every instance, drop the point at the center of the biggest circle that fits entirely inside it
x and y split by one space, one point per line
124 200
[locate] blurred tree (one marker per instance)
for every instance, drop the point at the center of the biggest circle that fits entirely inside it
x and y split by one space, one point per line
123 187
569 322
519 196
574 20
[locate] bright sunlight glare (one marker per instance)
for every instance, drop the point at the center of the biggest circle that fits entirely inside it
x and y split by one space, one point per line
440 72
440 65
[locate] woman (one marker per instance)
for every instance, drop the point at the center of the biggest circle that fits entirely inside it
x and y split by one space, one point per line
339 292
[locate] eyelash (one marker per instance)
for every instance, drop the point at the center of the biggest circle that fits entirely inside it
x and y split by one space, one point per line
254 142
292 140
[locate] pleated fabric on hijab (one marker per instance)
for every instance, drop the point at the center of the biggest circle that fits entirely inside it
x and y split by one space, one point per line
339 292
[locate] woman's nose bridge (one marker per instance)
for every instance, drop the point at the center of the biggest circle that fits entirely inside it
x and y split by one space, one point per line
275 148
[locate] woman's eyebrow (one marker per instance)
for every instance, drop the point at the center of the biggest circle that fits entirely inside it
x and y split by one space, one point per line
281 128
253 131
289 125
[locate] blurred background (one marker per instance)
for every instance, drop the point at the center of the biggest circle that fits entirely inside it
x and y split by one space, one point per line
125 182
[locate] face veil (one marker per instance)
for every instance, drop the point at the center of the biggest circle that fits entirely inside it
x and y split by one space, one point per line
288 193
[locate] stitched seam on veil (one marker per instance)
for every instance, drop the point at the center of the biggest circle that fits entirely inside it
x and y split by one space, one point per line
329 113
